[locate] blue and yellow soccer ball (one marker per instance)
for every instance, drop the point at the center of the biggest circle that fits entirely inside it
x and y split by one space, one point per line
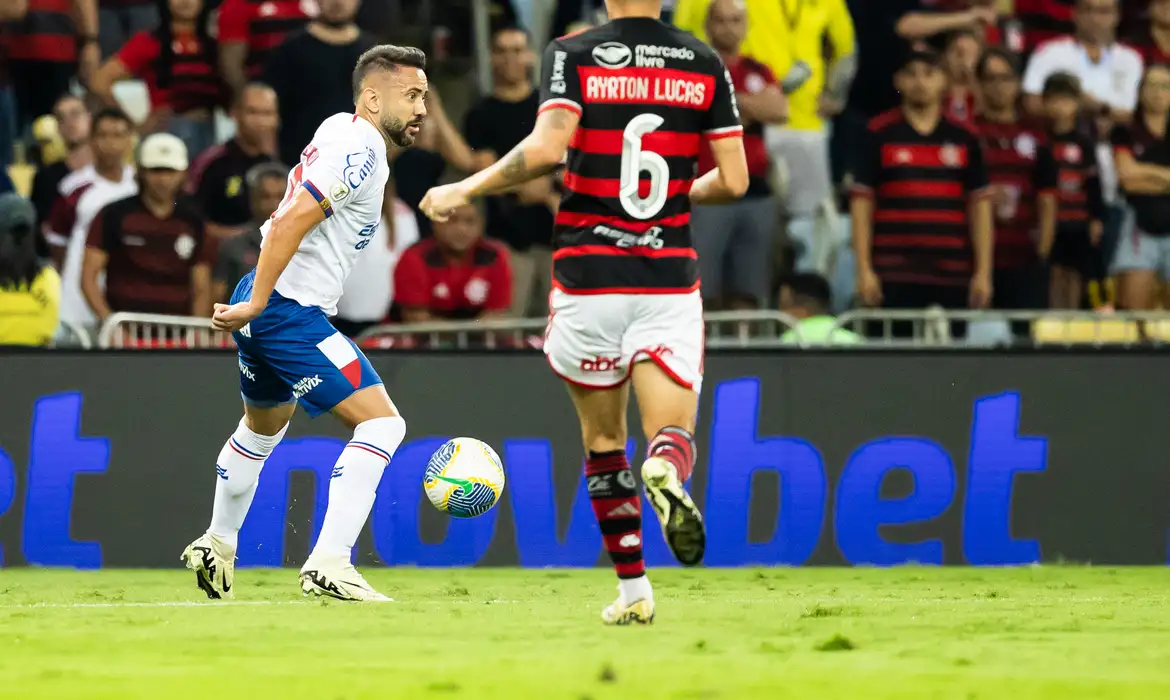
464 478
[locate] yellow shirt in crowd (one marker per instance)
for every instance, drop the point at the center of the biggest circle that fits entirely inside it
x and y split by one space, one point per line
781 32
28 314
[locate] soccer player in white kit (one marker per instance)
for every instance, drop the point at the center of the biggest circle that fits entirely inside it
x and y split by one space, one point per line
288 350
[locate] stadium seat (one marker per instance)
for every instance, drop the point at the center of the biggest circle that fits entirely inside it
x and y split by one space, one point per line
1075 332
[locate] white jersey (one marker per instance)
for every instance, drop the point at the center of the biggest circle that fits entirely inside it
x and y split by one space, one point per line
345 170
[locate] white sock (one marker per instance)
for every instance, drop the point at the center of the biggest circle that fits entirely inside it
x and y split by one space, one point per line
632 590
354 484
238 471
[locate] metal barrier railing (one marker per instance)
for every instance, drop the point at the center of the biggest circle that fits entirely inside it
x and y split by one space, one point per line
72 335
724 329
159 331
936 327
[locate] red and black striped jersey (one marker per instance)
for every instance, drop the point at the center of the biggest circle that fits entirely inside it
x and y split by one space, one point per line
262 25
46 32
1081 200
922 186
1044 20
647 94
1020 166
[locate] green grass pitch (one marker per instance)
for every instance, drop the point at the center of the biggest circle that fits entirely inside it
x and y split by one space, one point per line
496 634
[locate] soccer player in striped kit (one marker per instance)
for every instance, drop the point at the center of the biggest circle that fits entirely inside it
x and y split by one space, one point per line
630 101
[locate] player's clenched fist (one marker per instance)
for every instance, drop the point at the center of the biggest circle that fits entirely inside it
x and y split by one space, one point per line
440 201
233 317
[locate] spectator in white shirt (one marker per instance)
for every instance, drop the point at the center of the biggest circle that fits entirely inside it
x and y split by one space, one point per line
1109 72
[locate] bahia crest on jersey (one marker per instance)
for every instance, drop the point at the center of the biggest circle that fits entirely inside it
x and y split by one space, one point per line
647 95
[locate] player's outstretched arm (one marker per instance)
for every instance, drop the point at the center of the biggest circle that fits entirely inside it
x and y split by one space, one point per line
290 224
540 153
729 179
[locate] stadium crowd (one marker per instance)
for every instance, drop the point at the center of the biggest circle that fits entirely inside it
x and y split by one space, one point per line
903 154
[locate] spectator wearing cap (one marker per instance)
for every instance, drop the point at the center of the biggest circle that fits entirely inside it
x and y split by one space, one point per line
1023 177
152 247
922 229
1076 255
218 179
178 62
1152 38
307 72
1142 150
734 240
30 289
250 30
84 192
808 298
455 275
265 183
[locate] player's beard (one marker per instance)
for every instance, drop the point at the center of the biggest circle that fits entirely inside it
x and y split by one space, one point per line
396 129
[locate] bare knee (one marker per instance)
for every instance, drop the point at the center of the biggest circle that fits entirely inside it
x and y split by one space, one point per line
268 421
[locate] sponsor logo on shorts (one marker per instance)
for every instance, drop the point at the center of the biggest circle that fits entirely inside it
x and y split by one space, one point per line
306 385
246 331
247 372
601 364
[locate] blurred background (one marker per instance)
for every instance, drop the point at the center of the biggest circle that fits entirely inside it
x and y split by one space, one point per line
241 85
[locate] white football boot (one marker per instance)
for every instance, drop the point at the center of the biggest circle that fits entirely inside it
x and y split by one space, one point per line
639 612
214 564
338 579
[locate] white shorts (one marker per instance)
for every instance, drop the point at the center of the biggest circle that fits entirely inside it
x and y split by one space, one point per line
592 340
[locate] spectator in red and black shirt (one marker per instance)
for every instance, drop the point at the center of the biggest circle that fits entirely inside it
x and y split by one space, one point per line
52 42
178 62
1023 180
456 275
922 228
1044 20
1152 41
152 246
1076 255
960 61
734 240
250 29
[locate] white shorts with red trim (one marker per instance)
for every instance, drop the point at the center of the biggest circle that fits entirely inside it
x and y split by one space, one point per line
593 339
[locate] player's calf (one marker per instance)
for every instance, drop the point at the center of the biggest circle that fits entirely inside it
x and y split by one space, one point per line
613 493
212 556
352 490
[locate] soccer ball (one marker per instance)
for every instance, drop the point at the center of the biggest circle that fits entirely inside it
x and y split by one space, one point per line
464 478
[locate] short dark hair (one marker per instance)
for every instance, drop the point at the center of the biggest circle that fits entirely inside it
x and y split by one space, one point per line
504 28
111 114
251 85
1062 85
993 53
386 57
267 169
809 290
